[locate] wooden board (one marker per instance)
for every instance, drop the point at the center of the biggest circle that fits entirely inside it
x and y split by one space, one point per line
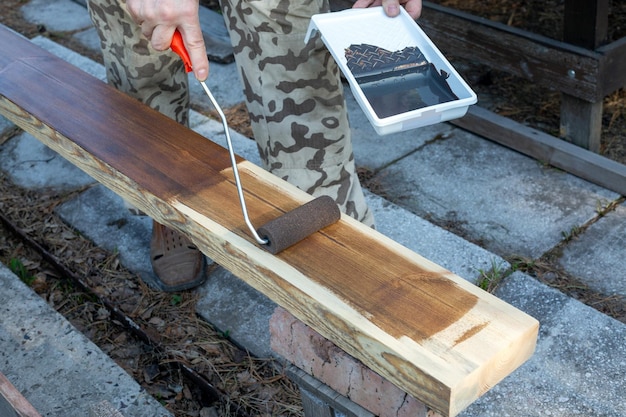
546 148
12 402
585 23
430 332
534 57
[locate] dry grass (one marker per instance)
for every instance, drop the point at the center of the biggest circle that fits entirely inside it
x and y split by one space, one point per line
250 386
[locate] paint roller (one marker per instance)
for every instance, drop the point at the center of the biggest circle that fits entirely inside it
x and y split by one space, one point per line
293 226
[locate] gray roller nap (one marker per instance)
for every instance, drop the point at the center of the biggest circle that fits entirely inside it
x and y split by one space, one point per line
299 223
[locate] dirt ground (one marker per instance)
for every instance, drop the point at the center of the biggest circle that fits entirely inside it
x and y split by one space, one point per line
83 282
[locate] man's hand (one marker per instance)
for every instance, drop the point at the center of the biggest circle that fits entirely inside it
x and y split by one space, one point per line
160 18
392 7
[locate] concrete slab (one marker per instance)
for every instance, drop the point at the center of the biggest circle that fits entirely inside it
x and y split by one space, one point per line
89 39
101 215
238 310
507 202
578 368
31 164
597 256
57 369
57 15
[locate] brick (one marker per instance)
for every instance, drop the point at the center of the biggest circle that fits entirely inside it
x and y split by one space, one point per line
322 359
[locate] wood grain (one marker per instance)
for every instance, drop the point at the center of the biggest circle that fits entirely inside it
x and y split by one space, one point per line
428 331
12 402
531 56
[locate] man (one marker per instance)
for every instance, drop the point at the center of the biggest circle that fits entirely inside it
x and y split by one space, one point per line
293 93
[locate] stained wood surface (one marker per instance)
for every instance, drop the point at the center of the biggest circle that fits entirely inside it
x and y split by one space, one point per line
12 402
428 331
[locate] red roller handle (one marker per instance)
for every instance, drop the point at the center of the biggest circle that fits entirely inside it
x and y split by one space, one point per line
178 46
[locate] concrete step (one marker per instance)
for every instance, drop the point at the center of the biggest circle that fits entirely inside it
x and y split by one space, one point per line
57 369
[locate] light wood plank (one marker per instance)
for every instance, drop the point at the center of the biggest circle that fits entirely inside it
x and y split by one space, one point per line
12 402
428 331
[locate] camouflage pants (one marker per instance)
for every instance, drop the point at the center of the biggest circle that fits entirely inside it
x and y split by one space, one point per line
293 91
155 78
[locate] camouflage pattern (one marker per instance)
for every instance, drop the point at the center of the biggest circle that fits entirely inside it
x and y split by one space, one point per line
155 78
293 90
295 99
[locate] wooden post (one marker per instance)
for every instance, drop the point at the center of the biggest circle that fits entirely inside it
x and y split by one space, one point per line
584 24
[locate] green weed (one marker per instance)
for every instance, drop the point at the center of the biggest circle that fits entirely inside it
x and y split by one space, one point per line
490 278
18 268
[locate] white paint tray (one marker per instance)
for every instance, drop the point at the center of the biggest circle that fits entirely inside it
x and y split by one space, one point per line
341 30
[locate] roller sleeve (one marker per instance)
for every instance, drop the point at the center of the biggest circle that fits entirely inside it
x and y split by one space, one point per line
299 223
